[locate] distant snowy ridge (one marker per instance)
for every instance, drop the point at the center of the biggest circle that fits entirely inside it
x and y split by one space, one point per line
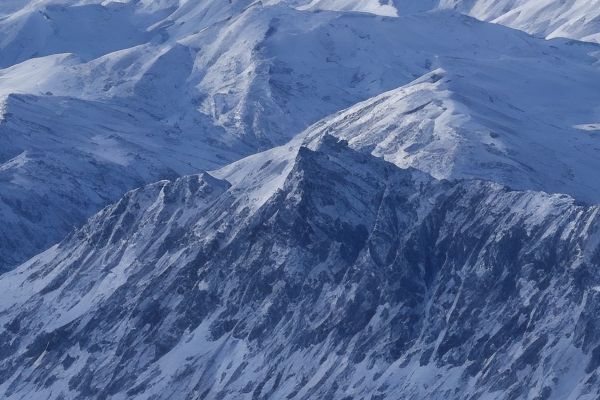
460 126
575 19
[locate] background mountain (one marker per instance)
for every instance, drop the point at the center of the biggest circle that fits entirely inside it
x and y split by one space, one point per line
576 19
487 125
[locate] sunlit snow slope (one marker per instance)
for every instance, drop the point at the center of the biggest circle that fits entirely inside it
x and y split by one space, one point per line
577 19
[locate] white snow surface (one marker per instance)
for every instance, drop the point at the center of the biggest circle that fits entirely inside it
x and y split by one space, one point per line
576 19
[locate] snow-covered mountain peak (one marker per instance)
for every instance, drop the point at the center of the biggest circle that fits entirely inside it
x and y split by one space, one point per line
397 202
330 267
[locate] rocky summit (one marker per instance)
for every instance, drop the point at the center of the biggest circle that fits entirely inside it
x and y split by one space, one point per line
352 278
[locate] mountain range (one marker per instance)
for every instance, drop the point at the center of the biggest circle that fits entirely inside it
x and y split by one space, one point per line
299 199
168 97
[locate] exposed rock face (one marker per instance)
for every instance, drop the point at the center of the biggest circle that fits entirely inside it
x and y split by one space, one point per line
352 279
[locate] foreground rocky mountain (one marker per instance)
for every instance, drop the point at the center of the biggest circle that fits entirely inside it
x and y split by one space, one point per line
312 271
175 88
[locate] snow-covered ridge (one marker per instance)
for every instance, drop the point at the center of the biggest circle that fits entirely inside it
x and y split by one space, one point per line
464 126
576 19
352 270
384 8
